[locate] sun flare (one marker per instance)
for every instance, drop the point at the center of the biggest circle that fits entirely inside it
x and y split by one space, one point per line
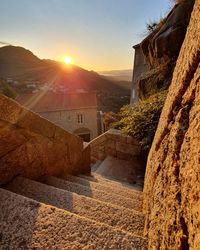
67 60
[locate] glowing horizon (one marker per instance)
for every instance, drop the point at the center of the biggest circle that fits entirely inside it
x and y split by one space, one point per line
67 60
94 43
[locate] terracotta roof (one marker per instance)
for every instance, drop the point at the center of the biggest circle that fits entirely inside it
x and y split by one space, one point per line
50 101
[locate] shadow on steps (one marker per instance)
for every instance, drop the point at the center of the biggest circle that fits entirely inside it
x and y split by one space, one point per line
27 224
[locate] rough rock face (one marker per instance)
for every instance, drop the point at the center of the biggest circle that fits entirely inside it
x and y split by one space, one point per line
160 50
32 146
172 181
155 80
165 42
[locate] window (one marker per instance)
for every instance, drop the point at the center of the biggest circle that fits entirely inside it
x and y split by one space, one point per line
80 118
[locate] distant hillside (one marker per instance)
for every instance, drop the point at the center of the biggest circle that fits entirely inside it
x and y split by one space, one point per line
22 65
119 75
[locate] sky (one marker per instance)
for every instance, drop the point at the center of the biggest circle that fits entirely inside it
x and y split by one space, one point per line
97 34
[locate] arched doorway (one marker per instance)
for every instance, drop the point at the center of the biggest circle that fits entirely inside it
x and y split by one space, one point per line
84 133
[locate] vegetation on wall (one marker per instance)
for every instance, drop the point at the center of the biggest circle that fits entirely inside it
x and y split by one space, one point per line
153 25
141 120
7 90
155 80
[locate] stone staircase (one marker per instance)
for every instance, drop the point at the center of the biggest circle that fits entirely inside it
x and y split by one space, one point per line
75 212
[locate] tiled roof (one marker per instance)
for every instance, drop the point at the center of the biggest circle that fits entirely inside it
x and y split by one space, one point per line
50 101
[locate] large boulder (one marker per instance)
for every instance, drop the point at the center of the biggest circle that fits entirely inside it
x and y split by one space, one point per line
166 40
172 181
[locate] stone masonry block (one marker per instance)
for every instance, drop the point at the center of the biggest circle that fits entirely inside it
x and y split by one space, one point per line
10 111
111 152
37 124
124 156
110 144
99 140
123 138
128 148
131 140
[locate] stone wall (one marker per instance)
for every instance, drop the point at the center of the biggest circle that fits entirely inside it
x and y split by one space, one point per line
172 181
32 146
114 143
68 119
139 68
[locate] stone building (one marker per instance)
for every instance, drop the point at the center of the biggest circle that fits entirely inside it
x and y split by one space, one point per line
75 112
139 68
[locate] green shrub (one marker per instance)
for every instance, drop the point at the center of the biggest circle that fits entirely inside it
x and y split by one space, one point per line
7 90
141 120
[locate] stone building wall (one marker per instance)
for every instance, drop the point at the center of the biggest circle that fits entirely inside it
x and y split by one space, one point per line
139 68
65 110
172 181
32 146
68 119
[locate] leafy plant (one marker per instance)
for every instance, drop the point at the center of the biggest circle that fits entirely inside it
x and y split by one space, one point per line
141 120
153 25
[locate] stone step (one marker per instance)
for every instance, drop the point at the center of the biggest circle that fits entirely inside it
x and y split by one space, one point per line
28 224
108 187
94 193
97 178
116 216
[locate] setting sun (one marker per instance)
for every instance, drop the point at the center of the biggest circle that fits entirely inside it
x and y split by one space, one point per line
67 60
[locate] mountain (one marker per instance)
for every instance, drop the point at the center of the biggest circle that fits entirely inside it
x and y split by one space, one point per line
23 66
120 75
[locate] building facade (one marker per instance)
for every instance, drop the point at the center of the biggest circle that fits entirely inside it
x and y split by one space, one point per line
139 68
75 112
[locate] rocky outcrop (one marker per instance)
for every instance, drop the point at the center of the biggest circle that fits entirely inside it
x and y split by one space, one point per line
159 51
165 41
172 181
31 146
155 80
